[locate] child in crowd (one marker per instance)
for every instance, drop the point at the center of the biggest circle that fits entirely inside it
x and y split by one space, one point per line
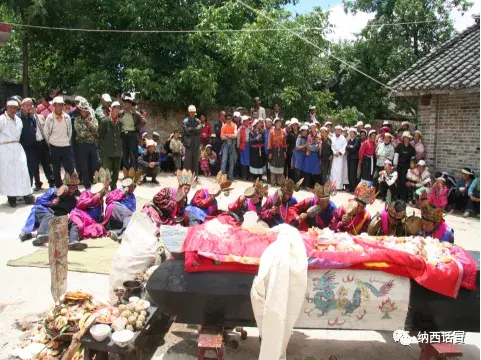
208 159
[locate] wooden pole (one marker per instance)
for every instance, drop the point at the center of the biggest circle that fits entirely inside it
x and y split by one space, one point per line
57 256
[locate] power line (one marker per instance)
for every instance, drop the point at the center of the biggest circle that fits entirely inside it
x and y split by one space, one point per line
198 30
316 46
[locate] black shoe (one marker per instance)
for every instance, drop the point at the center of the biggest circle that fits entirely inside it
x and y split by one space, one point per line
25 236
12 201
38 187
77 246
29 200
154 181
40 240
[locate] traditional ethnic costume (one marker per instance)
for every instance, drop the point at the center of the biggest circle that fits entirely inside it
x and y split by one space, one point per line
366 159
85 219
244 147
121 204
325 153
277 147
257 163
338 146
45 209
14 177
352 149
239 208
441 231
312 161
388 182
391 221
349 218
167 206
276 200
316 215
299 155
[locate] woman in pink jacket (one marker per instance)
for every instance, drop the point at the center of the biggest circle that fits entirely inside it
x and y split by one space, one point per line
438 195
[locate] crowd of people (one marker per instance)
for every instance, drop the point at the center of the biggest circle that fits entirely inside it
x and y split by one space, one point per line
93 146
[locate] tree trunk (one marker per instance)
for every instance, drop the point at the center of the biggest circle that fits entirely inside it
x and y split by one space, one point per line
25 67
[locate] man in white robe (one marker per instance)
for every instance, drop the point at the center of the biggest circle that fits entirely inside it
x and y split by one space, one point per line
14 177
338 149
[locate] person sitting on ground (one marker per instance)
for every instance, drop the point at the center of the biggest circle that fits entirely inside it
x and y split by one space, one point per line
55 202
462 189
250 201
167 206
121 204
438 194
451 184
433 223
472 205
353 217
177 150
275 209
390 222
85 220
419 179
316 211
208 160
203 204
150 162
388 180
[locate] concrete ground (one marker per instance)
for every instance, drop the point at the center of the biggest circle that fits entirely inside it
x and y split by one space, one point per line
26 295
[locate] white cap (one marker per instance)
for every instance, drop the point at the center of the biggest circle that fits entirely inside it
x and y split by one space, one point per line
106 98
353 129
422 163
256 121
418 132
267 120
212 136
323 128
388 135
144 134
367 126
79 98
328 123
385 122
155 133
304 127
372 132
237 113
407 134
288 122
58 100
115 103
192 108
12 103
150 143
26 100
405 123
294 121
244 118
338 127
359 123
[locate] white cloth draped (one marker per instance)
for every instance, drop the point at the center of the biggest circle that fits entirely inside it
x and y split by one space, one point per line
278 291
338 145
14 178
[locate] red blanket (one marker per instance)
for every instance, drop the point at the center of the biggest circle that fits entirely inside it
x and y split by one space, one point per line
238 250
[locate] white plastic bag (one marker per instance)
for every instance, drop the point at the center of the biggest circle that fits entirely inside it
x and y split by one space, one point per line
278 291
136 253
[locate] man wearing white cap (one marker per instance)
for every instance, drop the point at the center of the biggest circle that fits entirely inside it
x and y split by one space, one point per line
110 138
338 148
192 127
103 111
328 126
14 177
312 115
261 112
58 133
359 126
132 124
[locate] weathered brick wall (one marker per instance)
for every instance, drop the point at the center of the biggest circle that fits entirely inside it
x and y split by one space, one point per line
455 131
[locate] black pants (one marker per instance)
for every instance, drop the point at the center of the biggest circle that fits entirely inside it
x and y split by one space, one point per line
129 149
375 181
298 175
310 180
43 220
192 159
151 172
43 157
403 190
32 162
325 164
61 156
352 164
461 200
383 188
472 207
73 233
89 162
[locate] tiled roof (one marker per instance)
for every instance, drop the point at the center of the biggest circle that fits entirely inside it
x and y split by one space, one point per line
453 65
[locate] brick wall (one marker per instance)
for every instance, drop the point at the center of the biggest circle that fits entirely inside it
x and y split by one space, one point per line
456 132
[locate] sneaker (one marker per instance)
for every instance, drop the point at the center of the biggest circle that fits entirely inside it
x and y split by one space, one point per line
154 181
25 236
466 214
77 246
40 240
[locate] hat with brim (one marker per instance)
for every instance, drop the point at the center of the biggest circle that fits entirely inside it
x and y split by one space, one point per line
313 124
277 120
151 143
407 134
304 128
328 123
421 163
367 126
294 121
127 182
106 98
359 123
372 132
441 179
155 133
256 121
419 132
129 100
467 171
389 135
353 129
288 123
58 100
323 129
97 188
267 120
83 106
338 127
114 104
237 113
244 118
312 107
144 134
405 123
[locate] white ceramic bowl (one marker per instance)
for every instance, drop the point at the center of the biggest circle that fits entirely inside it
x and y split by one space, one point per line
100 332
145 304
133 299
122 338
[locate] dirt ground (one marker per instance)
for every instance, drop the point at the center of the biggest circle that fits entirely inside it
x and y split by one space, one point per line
26 294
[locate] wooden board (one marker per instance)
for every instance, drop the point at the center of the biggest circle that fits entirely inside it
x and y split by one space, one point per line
58 255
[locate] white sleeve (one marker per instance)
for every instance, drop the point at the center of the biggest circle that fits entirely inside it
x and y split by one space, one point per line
392 178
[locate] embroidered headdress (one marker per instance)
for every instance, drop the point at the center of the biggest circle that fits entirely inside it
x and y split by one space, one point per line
223 182
103 176
70 180
428 212
365 194
288 185
185 177
397 209
324 191
260 190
